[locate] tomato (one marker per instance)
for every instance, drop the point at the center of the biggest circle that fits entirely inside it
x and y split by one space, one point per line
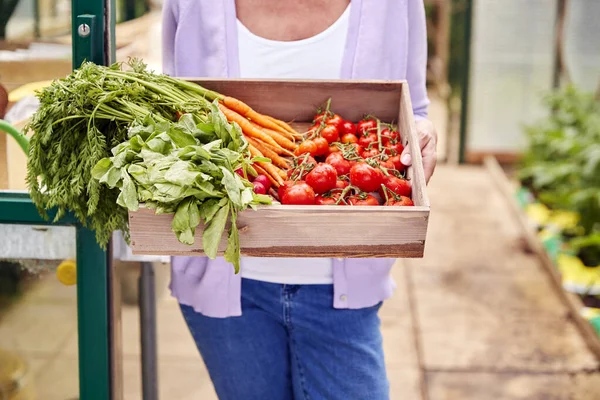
305 164
308 160
341 184
395 148
366 125
397 163
363 200
334 149
307 147
388 136
259 188
325 201
322 146
369 140
283 188
387 164
358 149
365 177
337 161
299 193
263 180
318 118
330 133
368 153
335 121
348 128
399 186
322 178
349 138
403 201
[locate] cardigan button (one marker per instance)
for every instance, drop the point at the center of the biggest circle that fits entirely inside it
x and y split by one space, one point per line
343 297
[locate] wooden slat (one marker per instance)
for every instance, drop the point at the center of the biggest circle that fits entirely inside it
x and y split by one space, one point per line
298 100
416 174
277 231
574 303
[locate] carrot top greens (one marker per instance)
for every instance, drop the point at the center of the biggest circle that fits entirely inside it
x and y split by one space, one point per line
107 139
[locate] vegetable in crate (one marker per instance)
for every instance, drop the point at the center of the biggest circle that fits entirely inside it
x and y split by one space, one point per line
83 116
185 168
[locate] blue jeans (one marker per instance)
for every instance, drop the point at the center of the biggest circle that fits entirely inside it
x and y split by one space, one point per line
290 343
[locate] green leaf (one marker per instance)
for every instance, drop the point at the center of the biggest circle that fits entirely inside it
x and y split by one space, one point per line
112 177
213 232
209 208
101 168
181 174
181 138
260 159
181 222
129 192
187 124
139 173
232 187
232 252
141 130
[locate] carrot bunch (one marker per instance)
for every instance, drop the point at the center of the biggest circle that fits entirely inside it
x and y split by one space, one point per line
267 136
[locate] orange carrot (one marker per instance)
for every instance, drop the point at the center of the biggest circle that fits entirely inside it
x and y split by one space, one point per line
243 109
275 172
247 127
282 124
260 170
281 141
275 159
279 150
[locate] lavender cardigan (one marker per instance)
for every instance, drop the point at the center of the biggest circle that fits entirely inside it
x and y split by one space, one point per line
386 40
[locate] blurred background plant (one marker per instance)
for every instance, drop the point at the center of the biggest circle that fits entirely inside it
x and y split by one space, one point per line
561 165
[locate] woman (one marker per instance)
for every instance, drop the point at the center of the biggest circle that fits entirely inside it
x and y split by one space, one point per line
294 328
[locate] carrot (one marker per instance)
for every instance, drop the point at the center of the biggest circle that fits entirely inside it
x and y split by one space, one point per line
247 127
273 171
280 140
260 170
275 159
284 125
279 150
243 109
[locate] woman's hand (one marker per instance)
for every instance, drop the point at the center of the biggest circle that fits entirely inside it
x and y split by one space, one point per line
428 143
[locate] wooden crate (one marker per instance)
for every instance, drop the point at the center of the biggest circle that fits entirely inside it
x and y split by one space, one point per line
313 231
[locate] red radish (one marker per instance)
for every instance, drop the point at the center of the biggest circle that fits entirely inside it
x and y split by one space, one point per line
259 188
262 179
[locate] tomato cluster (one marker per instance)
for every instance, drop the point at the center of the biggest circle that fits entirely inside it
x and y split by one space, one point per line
343 163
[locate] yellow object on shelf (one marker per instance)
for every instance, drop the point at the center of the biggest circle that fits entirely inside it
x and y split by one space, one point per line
67 272
27 90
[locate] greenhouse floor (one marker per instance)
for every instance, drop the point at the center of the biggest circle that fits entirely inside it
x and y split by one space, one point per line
476 319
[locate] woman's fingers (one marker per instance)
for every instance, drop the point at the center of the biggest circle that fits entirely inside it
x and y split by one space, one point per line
428 144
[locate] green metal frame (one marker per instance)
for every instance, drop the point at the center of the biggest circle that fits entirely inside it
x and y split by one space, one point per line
92 294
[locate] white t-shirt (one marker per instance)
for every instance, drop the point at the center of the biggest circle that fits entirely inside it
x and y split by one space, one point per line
317 57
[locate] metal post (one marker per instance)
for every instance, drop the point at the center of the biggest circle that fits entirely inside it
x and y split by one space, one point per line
93 318
147 301
93 40
465 86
